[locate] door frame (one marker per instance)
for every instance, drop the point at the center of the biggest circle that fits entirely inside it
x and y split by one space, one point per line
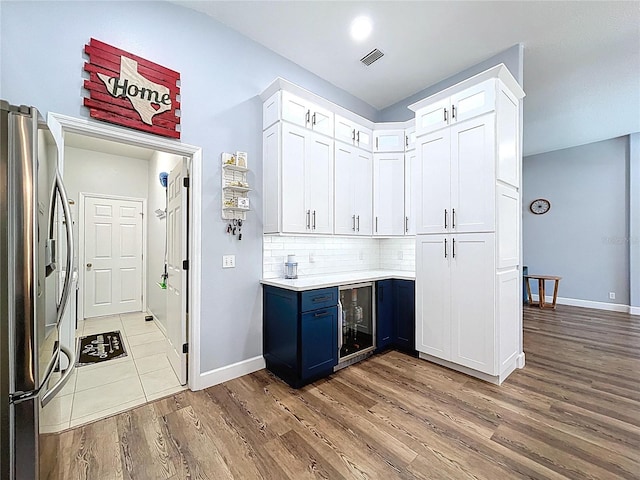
82 196
60 124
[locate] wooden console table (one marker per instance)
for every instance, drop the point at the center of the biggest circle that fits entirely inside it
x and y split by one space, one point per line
541 296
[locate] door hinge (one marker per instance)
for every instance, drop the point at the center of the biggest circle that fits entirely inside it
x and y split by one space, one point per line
185 264
185 182
185 348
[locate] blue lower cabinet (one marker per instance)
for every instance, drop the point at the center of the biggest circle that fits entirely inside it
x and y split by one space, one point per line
395 315
319 342
404 296
300 340
384 314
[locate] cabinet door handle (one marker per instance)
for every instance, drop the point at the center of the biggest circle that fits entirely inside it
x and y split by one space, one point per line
406 224
376 143
376 224
313 119
307 116
354 223
326 313
454 248
353 136
406 140
453 112
445 218
358 139
445 248
445 115
358 220
308 218
453 218
314 220
321 299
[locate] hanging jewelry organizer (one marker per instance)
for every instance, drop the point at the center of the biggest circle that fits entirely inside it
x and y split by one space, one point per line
235 188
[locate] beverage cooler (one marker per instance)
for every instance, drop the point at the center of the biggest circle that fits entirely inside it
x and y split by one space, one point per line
356 323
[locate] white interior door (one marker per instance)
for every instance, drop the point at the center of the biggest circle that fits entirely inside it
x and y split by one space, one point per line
112 256
177 278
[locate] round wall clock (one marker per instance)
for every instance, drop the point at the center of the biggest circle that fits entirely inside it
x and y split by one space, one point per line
540 206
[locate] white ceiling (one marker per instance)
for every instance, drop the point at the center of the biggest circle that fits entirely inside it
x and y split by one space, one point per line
581 61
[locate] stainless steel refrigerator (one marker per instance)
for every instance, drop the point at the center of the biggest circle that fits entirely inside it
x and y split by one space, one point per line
34 212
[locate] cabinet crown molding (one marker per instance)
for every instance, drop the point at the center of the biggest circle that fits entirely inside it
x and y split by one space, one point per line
281 84
500 72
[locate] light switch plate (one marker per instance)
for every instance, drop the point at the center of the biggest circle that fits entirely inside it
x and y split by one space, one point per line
228 261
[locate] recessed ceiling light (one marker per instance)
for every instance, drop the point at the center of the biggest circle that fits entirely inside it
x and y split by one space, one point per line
361 28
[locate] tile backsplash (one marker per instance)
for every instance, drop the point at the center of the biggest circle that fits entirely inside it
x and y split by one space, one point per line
398 254
322 255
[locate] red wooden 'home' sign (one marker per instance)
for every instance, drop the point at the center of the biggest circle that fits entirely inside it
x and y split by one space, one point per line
128 90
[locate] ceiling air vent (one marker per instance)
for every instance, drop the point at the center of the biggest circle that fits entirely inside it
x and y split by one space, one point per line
371 57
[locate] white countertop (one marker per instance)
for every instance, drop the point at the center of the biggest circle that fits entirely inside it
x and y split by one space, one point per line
336 279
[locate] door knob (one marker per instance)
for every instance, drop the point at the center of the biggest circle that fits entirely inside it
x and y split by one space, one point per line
89 265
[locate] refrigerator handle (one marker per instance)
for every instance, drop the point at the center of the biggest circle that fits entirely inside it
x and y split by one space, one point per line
47 397
70 266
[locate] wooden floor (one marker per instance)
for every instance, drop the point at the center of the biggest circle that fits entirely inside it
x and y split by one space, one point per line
572 412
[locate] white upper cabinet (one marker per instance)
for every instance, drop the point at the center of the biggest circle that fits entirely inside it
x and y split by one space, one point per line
469 103
433 198
352 133
411 189
307 181
388 194
302 112
388 141
353 190
457 178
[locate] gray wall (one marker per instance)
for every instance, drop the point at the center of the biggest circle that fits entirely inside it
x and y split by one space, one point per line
584 237
157 234
222 74
512 58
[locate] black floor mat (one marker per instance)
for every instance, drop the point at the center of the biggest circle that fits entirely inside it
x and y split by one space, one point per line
100 348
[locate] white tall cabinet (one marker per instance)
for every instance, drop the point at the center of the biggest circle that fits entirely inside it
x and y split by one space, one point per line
468 224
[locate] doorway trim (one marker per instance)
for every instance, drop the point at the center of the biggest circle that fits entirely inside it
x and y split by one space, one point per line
60 124
82 196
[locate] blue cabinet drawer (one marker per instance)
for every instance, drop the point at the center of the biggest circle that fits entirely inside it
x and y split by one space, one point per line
322 298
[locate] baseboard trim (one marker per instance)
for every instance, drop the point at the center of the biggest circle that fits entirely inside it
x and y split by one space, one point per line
159 324
520 360
228 372
634 310
576 302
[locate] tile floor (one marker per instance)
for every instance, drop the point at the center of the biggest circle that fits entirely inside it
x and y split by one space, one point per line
104 389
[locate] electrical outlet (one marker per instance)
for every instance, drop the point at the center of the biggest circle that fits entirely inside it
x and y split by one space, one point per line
400 255
312 257
361 255
612 295
228 261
